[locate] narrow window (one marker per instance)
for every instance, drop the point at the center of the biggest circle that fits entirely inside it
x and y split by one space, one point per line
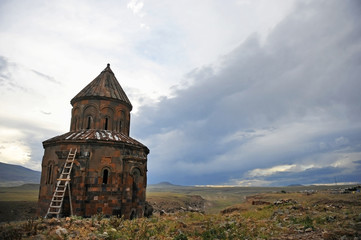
122 119
120 125
105 176
106 124
89 122
50 172
75 124
135 191
136 176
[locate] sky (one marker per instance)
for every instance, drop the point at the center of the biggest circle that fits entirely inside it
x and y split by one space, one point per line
238 92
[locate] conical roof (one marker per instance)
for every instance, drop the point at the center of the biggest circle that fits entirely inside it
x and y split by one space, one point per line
94 135
104 86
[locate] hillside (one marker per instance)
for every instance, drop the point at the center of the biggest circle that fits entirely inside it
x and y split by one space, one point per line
12 175
307 215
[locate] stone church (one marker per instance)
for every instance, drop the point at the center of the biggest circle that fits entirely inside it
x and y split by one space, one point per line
109 170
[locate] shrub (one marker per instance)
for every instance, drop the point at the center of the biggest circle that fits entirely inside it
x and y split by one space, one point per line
181 236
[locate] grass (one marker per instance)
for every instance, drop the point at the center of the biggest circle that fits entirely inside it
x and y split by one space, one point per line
321 215
27 192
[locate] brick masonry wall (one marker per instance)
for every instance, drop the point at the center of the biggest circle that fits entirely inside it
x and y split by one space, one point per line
118 115
125 187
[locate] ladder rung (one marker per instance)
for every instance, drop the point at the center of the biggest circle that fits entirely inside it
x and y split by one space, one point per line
57 200
63 179
55 206
61 191
54 212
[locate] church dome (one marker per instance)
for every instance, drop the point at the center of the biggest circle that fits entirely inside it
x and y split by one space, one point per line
104 86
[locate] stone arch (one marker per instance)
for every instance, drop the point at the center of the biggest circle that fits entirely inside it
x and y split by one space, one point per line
49 172
136 171
136 180
107 114
121 121
89 116
105 175
75 119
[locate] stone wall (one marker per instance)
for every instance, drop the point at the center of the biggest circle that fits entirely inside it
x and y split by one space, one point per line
106 178
100 114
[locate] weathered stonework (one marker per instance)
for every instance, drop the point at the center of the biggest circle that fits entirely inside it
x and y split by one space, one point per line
109 174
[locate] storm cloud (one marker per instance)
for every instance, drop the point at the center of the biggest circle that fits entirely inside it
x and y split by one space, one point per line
278 111
223 92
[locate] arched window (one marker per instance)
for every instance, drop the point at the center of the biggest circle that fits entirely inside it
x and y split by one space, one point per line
106 120
120 125
136 179
89 122
89 116
49 177
122 121
76 123
135 191
105 176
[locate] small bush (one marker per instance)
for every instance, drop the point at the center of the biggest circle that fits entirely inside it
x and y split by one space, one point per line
181 236
10 232
30 227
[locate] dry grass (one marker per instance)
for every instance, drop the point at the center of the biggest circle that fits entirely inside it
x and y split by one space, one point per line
321 215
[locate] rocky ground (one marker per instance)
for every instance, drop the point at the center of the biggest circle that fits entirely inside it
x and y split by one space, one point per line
188 203
303 215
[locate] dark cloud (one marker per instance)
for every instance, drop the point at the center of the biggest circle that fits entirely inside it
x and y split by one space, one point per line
293 99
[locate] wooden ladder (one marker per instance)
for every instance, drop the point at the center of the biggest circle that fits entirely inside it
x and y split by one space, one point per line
61 186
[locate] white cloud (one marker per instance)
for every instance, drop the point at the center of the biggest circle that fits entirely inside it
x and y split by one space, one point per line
136 6
269 171
250 183
13 148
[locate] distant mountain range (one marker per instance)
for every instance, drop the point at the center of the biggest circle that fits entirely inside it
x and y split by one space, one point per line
16 175
12 175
